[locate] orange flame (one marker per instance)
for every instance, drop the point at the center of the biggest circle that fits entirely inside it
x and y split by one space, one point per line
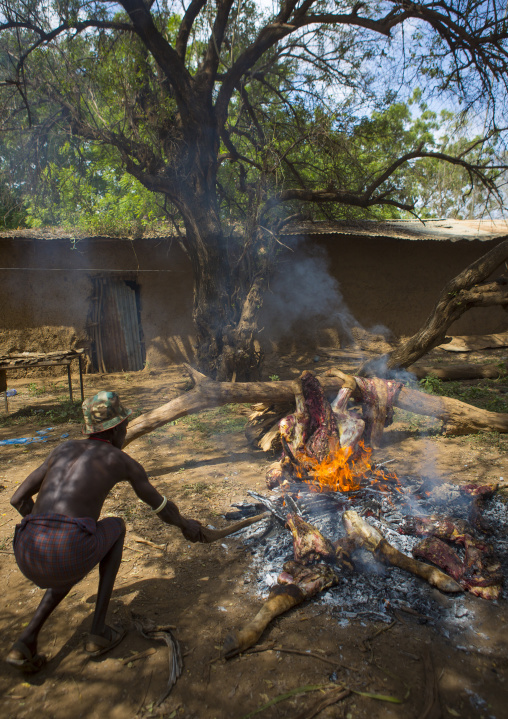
344 469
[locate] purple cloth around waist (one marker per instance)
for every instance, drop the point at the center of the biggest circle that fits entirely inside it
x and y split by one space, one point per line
56 551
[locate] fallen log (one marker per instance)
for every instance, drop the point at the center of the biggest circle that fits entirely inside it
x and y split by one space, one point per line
457 417
459 371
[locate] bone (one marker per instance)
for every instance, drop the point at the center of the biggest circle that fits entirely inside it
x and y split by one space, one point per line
370 538
280 599
295 584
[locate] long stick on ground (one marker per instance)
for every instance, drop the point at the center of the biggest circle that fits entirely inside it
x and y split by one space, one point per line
457 417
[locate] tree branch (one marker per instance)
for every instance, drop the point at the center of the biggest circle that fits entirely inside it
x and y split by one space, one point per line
166 57
461 293
272 33
208 70
185 28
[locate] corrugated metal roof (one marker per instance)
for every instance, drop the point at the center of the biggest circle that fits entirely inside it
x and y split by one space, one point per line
450 230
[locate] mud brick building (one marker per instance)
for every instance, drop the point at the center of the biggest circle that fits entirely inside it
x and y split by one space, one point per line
129 301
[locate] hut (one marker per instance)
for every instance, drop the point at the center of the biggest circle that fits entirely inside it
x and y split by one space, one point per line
128 302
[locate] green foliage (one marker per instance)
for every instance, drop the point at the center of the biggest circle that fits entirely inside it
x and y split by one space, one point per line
221 420
490 394
104 121
63 412
86 188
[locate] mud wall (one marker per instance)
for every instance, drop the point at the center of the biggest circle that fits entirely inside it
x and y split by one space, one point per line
334 282
46 288
318 291
397 282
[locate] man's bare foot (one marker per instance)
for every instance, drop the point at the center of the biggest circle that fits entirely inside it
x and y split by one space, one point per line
98 644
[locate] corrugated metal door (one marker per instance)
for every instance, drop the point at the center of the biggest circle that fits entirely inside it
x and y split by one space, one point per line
118 336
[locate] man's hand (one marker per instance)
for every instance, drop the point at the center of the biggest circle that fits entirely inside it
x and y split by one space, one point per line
194 531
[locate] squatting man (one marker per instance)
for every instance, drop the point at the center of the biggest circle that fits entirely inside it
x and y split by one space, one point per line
61 538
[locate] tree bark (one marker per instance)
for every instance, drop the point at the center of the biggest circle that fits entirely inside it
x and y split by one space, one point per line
460 294
457 417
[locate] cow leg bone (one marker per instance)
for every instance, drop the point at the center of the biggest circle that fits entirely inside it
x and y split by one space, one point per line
280 599
370 538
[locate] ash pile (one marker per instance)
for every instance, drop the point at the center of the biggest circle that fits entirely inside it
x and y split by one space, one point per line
374 588
360 538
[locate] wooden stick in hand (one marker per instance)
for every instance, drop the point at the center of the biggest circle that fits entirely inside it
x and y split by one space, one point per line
211 535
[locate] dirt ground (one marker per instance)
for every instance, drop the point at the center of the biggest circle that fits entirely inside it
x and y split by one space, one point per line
204 463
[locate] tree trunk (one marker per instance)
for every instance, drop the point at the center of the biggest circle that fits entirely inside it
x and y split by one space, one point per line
457 417
461 293
228 291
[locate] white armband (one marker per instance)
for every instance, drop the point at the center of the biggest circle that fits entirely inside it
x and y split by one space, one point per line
161 507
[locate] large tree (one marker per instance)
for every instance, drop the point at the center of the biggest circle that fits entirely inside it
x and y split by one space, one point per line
239 119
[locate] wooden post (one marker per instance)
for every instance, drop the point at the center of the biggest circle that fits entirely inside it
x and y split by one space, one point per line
69 378
81 378
3 387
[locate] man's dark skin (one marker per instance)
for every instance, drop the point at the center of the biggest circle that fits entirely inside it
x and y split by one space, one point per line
74 481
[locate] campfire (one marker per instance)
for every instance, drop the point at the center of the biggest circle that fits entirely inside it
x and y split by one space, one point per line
341 509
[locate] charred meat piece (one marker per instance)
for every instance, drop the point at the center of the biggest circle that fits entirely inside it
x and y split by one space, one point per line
482 571
350 426
377 399
295 584
478 572
311 432
436 526
321 444
344 548
313 416
309 545
479 494
294 430
310 580
281 599
318 407
432 549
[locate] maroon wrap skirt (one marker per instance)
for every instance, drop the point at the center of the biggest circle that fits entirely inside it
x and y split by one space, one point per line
55 551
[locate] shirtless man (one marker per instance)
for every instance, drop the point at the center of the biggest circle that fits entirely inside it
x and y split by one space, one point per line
61 538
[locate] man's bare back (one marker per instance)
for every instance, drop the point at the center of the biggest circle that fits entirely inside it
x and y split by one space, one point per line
61 538
78 476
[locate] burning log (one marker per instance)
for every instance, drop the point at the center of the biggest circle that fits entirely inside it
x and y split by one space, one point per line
370 538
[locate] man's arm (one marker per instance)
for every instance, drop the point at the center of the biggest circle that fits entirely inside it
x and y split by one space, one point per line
190 528
22 497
